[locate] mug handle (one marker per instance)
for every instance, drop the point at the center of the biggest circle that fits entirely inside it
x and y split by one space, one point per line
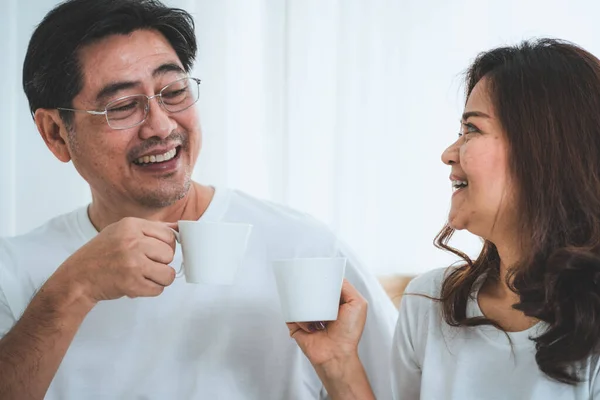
179 273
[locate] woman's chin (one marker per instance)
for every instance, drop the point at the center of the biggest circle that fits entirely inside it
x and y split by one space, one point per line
456 227
455 221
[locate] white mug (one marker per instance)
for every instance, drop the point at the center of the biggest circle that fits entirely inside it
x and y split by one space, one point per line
310 288
212 251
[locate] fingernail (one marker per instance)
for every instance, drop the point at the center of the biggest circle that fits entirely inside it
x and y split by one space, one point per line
320 326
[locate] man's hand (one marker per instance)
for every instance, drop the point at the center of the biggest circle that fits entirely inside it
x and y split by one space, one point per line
128 258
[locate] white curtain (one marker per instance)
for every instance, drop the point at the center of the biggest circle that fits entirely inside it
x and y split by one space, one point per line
340 108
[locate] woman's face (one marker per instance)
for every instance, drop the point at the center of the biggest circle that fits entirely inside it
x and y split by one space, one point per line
483 196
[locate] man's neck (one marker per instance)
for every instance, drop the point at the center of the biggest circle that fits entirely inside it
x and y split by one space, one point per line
191 207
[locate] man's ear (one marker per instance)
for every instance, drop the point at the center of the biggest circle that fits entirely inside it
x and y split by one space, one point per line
53 131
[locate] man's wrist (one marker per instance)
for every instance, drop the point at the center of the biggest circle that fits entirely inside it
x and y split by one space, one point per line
66 296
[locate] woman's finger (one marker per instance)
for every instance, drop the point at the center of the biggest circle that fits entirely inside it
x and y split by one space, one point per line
307 327
350 294
293 328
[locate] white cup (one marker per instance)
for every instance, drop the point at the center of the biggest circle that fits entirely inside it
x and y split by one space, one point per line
309 288
212 251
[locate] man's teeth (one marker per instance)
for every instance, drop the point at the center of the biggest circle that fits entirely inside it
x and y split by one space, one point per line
459 184
158 158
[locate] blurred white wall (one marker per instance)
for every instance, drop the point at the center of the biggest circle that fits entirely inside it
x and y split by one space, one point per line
340 108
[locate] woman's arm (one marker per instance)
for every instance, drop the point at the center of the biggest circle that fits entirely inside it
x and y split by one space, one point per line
346 379
333 348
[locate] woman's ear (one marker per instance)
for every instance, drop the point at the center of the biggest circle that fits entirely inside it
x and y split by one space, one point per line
53 131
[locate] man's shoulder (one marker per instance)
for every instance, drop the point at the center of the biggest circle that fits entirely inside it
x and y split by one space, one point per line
27 260
41 240
54 228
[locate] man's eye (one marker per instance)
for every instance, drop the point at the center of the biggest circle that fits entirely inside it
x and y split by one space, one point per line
175 93
123 107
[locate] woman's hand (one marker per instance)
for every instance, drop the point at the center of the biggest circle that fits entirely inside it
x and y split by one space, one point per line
324 343
333 348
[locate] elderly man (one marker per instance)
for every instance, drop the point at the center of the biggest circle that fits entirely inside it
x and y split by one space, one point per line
89 304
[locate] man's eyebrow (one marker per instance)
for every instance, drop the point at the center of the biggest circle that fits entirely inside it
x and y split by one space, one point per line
469 114
113 88
165 68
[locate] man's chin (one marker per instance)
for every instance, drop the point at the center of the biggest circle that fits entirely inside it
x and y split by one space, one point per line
163 198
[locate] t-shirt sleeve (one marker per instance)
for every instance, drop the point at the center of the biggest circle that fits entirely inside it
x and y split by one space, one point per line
12 301
7 320
406 371
375 345
594 380
410 338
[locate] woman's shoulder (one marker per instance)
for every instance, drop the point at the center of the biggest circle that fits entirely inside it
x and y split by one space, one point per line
421 299
420 315
428 284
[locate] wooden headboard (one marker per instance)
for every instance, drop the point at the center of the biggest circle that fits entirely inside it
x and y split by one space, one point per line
394 286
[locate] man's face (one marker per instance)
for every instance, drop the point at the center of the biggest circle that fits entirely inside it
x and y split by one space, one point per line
118 163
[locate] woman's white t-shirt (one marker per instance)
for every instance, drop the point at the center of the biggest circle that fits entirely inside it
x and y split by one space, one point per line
432 360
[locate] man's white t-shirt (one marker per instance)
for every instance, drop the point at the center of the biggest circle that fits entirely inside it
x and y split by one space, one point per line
195 341
432 360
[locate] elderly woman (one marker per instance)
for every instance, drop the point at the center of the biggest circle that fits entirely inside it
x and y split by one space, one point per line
522 321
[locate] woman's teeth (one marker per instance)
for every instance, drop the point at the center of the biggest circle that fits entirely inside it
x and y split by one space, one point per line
459 184
158 158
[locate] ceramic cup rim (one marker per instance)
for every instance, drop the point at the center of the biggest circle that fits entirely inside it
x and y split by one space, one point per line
192 222
283 260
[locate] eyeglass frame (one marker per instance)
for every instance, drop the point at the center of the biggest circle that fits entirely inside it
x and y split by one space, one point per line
147 108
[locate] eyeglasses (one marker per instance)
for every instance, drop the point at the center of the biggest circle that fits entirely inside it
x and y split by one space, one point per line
129 111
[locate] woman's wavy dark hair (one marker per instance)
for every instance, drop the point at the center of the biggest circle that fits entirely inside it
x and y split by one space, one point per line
546 94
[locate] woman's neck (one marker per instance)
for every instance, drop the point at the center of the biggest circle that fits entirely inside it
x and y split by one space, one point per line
495 297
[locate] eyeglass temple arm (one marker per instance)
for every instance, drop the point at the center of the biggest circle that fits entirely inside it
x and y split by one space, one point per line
87 111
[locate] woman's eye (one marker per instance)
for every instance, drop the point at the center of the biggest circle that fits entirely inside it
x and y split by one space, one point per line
467 128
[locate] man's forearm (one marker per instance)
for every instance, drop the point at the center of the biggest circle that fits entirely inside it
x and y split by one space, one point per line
31 352
346 380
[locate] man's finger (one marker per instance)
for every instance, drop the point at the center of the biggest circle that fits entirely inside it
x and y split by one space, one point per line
160 231
173 225
157 250
159 273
